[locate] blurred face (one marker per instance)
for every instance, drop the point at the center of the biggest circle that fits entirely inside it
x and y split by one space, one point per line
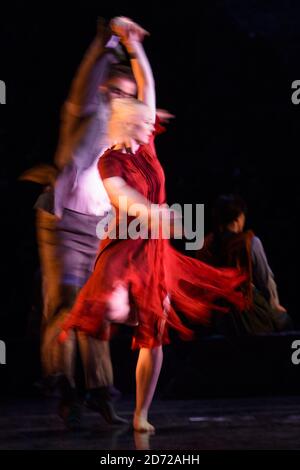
142 129
240 222
121 88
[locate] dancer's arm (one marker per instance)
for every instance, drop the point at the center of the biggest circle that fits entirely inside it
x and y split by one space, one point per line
118 190
142 73
263 276
92 73
131 35
83 96
127 199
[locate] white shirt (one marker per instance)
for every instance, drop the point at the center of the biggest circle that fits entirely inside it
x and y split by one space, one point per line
79 187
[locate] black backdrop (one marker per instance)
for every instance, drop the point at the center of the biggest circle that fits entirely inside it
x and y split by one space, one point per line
224 70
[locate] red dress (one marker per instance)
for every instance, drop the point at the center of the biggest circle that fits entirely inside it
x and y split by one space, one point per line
150 268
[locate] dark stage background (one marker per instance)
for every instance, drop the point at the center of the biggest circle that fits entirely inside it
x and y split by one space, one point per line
224 68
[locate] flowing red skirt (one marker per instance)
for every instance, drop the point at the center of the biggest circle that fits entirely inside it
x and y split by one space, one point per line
151 270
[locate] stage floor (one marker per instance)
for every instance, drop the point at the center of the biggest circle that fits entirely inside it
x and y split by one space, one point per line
239 423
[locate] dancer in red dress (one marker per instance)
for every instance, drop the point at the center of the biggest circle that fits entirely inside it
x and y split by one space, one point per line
145 275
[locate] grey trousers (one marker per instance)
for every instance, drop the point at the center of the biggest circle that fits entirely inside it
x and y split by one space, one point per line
60 358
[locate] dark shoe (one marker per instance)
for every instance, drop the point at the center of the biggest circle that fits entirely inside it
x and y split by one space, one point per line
69 408
114 393
71 415
99 400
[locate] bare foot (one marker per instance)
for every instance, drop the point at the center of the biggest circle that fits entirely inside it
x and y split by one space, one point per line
141 424
142 440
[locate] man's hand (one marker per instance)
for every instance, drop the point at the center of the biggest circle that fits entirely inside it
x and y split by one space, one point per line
42 174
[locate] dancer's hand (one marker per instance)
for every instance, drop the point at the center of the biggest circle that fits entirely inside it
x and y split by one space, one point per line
127 29
164 115
167 221
280 309
42 174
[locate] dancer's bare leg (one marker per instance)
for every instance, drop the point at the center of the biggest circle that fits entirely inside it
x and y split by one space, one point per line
147 373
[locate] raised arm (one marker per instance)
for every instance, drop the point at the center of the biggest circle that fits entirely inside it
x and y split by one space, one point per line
92 72
83 99
131 36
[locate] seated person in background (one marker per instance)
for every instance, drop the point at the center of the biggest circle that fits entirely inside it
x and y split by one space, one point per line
230 245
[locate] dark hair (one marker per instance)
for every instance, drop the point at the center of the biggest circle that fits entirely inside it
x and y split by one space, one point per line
120 71
228 208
